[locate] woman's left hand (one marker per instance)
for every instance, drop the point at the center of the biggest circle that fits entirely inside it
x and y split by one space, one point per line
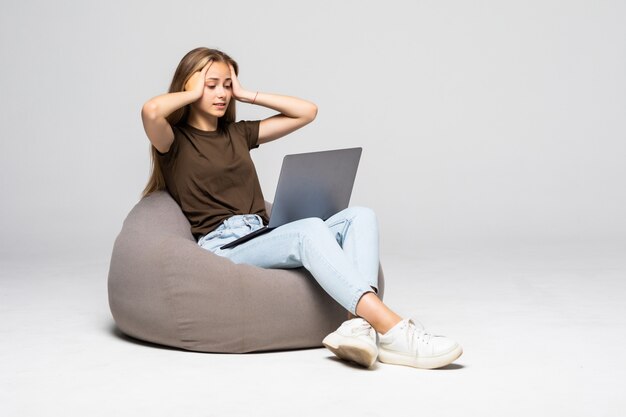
294 112
239 93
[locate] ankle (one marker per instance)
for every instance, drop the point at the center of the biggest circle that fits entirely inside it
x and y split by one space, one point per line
388 325
372 309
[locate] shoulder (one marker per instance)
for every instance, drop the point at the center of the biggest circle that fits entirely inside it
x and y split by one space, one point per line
247 129
244 127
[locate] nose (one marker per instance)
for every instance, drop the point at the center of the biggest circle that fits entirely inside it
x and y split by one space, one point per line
221 92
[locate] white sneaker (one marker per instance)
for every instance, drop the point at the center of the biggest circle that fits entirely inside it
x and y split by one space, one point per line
354 340
407 344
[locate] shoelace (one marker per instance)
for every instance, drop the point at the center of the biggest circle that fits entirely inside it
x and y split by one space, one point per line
416 333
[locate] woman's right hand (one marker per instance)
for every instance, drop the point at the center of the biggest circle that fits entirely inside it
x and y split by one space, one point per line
155 111
198 80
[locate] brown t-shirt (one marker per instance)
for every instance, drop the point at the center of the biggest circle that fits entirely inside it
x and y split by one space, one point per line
211 175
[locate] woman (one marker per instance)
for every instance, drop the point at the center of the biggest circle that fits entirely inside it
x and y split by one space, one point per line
201 155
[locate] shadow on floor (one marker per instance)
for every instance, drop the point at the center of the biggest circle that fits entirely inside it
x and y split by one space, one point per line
115 331
353 365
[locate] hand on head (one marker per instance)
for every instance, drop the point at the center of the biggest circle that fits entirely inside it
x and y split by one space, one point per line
198 80
237 88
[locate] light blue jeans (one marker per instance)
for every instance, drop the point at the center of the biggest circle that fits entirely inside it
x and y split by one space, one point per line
341 252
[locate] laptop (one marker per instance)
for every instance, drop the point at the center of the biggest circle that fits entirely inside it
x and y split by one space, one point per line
313 184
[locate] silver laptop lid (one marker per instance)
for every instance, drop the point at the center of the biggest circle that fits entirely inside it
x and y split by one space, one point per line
314 184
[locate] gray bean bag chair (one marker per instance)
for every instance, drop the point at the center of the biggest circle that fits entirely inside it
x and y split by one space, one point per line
164 288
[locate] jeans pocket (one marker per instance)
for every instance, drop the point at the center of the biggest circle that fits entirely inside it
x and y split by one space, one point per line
225 234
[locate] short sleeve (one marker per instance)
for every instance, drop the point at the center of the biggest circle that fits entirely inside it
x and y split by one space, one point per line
173 147
249 129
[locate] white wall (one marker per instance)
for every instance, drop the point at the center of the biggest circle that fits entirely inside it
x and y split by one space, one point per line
482 122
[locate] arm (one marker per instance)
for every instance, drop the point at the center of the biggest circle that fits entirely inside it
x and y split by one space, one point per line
294 112
155 110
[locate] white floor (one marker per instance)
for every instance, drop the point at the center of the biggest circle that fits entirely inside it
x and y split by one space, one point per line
543 329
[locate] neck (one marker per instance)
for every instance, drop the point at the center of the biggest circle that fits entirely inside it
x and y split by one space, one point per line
202 121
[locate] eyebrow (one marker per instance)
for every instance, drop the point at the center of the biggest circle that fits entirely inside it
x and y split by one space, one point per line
217 79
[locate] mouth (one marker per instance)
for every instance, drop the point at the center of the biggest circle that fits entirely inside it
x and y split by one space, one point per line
220 105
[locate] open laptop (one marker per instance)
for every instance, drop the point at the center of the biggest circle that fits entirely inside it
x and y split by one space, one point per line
314 184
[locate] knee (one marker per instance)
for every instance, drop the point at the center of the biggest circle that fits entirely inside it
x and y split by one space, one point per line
312 227
362 212
311 224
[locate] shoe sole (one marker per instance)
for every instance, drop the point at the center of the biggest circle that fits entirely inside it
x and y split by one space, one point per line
351 350
432 362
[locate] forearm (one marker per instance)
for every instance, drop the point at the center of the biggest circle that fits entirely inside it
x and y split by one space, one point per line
165 104
293 107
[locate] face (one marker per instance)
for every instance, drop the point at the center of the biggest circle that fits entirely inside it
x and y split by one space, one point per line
217 90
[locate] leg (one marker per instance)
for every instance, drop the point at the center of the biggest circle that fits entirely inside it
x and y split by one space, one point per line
358 236
339 275
372 309
356 231
311 243
308 243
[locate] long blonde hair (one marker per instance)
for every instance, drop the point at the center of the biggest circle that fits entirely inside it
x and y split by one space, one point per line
193 61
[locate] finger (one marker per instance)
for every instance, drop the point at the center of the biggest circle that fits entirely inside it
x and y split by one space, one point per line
204 69
189 85
233 74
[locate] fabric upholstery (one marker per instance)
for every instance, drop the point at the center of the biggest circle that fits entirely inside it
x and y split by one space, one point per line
164 288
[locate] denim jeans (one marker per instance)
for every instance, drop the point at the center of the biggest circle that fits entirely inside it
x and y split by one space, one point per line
341 252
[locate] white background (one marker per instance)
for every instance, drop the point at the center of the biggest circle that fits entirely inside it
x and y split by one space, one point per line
493 135
482 122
